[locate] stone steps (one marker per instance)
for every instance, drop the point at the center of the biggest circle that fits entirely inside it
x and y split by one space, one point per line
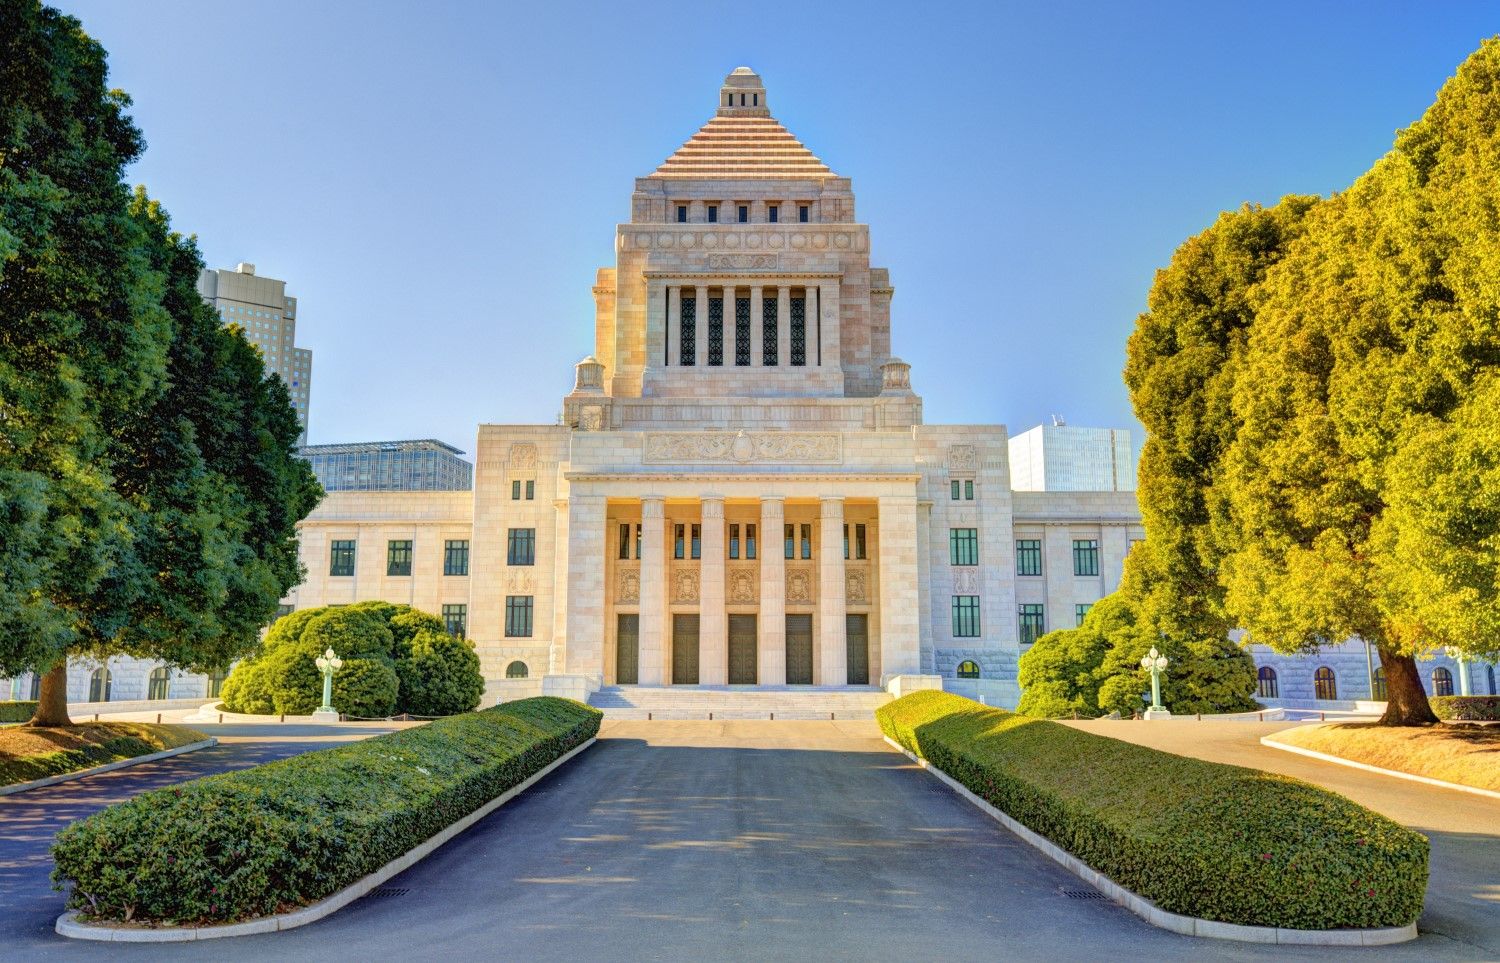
712 702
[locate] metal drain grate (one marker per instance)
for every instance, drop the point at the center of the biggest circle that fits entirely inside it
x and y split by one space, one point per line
1083 894
381 892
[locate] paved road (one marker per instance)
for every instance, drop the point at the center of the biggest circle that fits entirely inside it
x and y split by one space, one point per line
730 840
29 820
1463 890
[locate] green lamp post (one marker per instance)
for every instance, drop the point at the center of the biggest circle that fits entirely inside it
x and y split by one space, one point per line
1155 662
328 664
1457 655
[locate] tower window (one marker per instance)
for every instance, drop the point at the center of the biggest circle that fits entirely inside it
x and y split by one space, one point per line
681 213
772 212
802 213
755 100
742 100
744 213
713 213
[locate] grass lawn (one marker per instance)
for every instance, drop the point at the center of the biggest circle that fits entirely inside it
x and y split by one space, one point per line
27 754
1468 755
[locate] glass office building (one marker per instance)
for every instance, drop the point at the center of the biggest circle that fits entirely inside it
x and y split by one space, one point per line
390 466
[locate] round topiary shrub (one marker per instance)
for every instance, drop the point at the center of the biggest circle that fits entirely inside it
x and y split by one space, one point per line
441 676
365 688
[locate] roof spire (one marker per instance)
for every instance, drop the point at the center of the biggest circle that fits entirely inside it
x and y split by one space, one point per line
743 95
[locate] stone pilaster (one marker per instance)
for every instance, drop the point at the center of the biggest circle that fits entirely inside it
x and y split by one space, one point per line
900 652
833 658
713 624
585 646
653 624
674 325
772 621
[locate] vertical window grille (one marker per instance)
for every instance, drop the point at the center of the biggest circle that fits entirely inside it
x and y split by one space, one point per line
1265 679
1442 682
799 332
697 541
518 616
398 557
677 547
687 340
954 486
791 541
750 541
963 546
734 541
520 546
807 541
966 616
159 684
1033 622
1085 556
456 619
859 541
715 331
530 490
456 556
742 331
515 491
969 490
1325 686
768 333
624 540
1028 556
341 558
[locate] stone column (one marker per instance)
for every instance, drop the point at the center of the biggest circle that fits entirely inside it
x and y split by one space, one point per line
772 620
713 623
783 326
653 619
674 325
833 657
755 325
586 545
700 337
900 633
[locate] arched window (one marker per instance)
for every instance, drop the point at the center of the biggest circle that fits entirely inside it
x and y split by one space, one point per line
1442 682
1324 684
216 683
1267 688
1379 692
968 669
516 670
99 685
159 684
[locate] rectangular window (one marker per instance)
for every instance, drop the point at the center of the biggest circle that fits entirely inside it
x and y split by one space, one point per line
677 546
966 616
969 490
624 540
1085 556
859 541
515 491
744 214
715 331
963 546
807 541
682 213
697 545
791 541
713 213
1028 556
802 213
772 212
768 334
518 616
637 541
341 558
520 546
687 340
456 556
750 541
741 331
1080 610
734 541
799 332
398 557
456 619
285 610
1033 625
955 487
846 541
530 490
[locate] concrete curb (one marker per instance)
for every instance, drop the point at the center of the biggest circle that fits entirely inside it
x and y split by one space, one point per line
68 925
107 767
1325 757
1155 915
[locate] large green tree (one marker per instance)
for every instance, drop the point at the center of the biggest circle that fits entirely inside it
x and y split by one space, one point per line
148 484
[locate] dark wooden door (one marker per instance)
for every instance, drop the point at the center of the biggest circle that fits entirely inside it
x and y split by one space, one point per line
799 650
857 632
742 650
628 649
684 650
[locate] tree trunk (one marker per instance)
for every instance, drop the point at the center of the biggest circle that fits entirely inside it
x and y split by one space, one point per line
52 703
1406 700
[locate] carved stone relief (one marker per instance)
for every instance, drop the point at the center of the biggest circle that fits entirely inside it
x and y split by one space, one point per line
963 457
685 585
742 585
520 581
798 585
679 447
628 585
966 580
523 456
856 587
591 418
742 261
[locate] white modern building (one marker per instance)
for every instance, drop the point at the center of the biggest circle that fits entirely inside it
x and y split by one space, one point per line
1065 458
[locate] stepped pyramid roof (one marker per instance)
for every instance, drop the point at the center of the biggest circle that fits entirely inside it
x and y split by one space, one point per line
743 140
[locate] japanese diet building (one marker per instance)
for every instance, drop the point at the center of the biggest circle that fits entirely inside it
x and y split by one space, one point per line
741 490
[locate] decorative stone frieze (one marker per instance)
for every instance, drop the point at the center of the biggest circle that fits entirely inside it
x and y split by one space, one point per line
742 585
628 585
685 586
523 456
856 587
799 582
744 262
966 580
520 581
677 448
963 457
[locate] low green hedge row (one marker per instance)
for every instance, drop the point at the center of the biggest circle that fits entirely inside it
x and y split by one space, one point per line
17 711
282 835
1198 838
1466 708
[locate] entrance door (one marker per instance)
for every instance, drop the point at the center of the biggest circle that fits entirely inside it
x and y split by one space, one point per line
628 649
684 650
799 650
857 631
742 653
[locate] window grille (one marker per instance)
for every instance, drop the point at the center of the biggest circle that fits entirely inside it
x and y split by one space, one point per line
716 331
1033 622
799 332
688 336
768 333
741 331
1028 556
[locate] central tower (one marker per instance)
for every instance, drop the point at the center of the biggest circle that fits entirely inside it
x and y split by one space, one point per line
742 273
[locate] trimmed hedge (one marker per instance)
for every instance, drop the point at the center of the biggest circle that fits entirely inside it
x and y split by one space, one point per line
289 833
17 711
1198 838
1471 708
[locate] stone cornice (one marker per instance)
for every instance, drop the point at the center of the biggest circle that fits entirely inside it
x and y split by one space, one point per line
698 477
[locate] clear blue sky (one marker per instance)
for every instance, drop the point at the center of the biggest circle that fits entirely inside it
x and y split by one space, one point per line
438 182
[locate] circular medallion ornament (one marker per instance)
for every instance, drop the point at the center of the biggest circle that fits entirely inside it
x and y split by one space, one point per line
752 240
743 448
663 240
776 240
799 240
710 240
732 240
841 240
